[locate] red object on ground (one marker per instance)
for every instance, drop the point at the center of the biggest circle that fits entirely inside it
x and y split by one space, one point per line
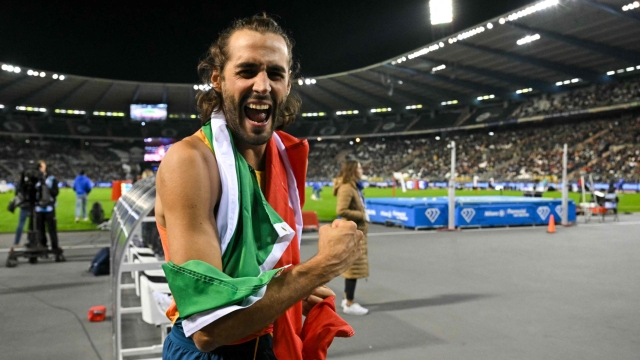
97 313
310 220
116 188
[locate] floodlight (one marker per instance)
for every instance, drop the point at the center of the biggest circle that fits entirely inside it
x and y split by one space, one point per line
43 74
489 26
307 81
195 87
61 77
55 76
16 69
300 82
441 11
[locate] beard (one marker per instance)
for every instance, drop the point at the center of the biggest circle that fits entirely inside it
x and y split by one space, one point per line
235 116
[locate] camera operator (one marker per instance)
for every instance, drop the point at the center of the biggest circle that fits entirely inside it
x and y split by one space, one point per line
25 201
46 193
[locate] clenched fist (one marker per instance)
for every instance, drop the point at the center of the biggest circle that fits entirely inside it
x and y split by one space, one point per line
339 246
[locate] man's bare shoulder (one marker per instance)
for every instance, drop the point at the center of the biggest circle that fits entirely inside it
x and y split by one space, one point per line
187 157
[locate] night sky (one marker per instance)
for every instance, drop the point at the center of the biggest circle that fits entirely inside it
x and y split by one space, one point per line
163 41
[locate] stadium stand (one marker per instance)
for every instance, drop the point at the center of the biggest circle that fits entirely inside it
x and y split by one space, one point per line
64 159
440 120
462 87
581 99
606 149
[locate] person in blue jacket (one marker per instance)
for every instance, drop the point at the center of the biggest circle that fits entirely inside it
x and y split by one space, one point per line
82 187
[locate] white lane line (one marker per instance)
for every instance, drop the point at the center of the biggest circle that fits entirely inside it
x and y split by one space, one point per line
71 247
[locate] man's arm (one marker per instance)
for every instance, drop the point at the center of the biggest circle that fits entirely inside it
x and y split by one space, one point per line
188 186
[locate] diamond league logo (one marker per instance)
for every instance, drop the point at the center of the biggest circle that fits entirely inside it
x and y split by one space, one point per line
543 212
468 214
432 214
559 210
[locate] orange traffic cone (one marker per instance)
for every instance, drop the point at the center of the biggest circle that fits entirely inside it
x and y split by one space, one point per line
551 228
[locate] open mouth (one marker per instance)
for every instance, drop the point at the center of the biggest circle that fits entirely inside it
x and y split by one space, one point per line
259 114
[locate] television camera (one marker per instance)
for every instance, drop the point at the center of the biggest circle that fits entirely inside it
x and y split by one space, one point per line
27 198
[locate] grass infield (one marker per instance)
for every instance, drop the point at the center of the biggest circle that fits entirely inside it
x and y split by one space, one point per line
326 207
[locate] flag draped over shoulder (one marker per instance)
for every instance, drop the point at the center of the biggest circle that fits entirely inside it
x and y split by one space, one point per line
259 238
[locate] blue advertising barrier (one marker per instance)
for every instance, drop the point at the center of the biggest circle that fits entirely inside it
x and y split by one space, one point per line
409 212
507 210
471 211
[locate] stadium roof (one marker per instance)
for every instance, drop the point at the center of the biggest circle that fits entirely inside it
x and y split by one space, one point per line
544 47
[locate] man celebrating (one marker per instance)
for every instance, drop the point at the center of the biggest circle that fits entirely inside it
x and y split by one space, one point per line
228 210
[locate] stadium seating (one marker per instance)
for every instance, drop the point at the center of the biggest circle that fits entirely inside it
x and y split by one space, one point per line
581 99
605 147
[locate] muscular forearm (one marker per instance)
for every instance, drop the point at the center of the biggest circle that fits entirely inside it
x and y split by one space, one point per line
282 293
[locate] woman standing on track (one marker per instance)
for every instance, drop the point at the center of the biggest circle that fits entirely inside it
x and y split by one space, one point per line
348 189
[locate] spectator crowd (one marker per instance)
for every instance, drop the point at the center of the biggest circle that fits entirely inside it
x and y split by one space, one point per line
581 99
607 149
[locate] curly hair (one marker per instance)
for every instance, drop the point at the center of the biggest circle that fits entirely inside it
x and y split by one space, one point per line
216 58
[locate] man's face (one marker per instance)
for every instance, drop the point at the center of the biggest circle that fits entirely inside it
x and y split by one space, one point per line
254 85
